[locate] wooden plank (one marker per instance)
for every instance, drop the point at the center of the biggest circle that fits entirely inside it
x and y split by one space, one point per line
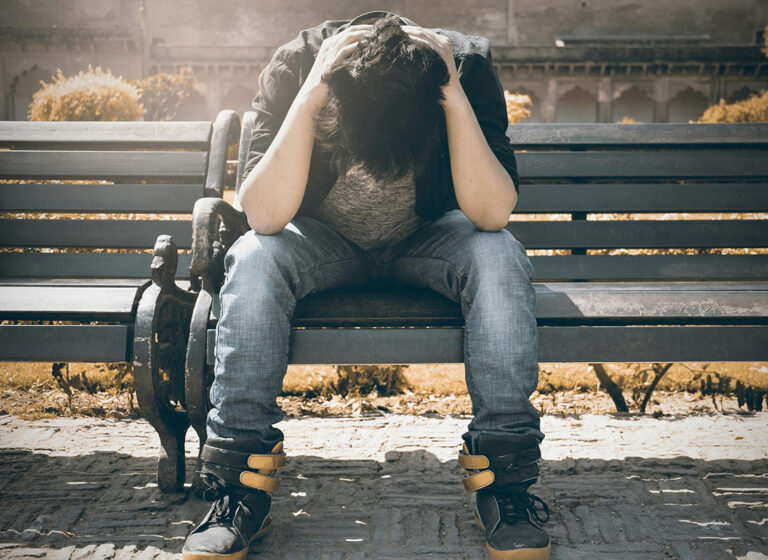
83 265
633 234
93 303
556 344
116 135
630 303
654 344
69 282
93 233
533 235
30 164
65 343
47 197
650 267
651 164
643 197
582 135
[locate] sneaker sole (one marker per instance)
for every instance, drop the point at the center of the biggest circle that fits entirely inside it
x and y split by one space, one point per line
239 555
517 554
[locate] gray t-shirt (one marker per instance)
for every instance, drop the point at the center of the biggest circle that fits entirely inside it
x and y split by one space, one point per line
369 212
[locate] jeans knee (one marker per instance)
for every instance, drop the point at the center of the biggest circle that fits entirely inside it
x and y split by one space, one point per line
499 253
252 250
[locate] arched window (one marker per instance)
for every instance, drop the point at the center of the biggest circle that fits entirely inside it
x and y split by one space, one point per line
687 105
635 104
740 95
576 105
22 88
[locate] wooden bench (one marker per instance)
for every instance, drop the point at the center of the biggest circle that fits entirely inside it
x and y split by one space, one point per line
66 293
625 307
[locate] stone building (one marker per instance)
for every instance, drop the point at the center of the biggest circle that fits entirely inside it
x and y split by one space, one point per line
579 60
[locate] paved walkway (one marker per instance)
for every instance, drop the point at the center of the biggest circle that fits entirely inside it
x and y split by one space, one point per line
388 487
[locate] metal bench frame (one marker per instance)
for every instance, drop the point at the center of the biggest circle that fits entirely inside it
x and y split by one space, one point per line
116 310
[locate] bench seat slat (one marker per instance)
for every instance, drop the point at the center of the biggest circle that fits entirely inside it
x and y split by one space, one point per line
83 265
642 136
556 344
93 233
579 302
71 135
643 197
51 197
650 164
94 303
65 343
30 164
631 234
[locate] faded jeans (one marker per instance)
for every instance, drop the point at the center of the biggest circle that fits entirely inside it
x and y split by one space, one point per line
489 273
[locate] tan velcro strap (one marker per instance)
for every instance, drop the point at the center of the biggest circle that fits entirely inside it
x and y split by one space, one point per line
477 481
266 462
473 462
259 481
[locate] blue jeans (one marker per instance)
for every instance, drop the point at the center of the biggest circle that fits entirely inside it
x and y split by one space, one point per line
489 273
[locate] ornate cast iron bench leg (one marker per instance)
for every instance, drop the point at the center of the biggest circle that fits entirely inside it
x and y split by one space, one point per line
160 338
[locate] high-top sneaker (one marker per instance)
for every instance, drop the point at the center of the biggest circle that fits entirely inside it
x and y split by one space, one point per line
500 472
240 485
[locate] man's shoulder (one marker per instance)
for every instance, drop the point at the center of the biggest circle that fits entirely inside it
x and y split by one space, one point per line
310 39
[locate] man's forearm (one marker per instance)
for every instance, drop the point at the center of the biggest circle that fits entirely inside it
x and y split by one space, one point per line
272 192
484 189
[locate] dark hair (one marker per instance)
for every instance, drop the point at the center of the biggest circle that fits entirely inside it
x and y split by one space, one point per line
383 108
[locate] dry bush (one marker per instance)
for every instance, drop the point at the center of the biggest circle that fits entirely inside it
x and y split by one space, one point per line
754 109
627 120
517 106
162 94
94 95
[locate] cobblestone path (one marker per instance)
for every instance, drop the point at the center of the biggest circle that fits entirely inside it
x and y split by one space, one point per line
388 487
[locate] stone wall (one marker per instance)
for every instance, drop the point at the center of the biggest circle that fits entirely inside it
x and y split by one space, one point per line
580 60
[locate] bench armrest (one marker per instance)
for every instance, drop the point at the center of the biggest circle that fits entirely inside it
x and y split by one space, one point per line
215 226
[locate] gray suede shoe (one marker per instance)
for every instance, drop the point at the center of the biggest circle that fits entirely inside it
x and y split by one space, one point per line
500 473
229 527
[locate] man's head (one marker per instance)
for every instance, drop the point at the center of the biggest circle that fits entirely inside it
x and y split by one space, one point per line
383 108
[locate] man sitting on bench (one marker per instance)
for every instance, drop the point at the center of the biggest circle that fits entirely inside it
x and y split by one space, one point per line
371 163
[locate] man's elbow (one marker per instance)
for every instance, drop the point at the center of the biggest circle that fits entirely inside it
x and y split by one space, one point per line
263 227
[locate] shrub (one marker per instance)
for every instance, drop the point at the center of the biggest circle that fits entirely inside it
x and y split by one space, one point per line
754 109
88 96
517 106
162 94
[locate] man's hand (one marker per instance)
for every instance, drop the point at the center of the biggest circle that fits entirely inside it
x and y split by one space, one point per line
334 49
452 90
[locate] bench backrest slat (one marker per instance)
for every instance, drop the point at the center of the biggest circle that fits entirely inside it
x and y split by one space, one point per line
643 136
50 164
642 197
82 265
111 234
650 267
117 135
633 234
647 164
51 197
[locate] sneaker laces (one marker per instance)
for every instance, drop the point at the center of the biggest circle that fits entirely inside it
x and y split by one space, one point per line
523 506
217 489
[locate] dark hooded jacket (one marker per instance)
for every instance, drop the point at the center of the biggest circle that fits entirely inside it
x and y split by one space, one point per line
289 67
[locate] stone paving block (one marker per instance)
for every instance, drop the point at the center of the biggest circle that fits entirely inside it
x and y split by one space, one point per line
389 487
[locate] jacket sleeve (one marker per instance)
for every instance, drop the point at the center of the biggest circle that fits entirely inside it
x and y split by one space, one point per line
278 86
483 89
